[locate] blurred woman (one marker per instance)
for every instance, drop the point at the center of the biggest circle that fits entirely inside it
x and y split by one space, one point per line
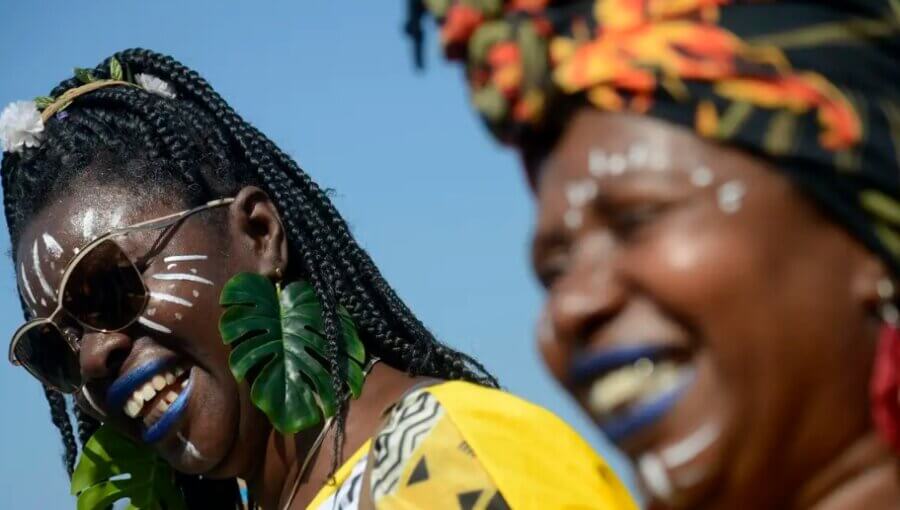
718 231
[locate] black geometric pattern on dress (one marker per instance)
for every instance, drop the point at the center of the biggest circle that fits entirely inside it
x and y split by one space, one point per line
497 503
467 500
465 448
419 473
347 496
408 424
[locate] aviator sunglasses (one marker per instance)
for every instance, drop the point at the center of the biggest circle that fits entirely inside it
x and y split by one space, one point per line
102 290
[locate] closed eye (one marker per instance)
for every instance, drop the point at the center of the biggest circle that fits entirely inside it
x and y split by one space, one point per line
628 222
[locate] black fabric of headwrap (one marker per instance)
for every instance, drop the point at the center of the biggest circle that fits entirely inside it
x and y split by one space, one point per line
811 86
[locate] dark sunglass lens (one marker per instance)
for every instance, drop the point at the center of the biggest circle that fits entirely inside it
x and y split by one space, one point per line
105 290
44 352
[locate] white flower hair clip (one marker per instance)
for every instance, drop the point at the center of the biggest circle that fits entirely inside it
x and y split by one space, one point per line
22 122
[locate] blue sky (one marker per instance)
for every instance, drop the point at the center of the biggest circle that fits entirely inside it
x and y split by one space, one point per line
442 209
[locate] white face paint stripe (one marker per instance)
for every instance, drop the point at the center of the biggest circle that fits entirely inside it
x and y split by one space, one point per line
48 290
53 247
655 476
170 266
160 296
27 285
153 325
688 448
183 276
87 224
181 258
189 447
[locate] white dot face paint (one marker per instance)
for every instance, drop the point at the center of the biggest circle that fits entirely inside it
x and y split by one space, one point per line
618 163
194 270
701 177
178 316
730 196
573 219
151 312
52 246
170 267
597 165
195 293
581 192
638 155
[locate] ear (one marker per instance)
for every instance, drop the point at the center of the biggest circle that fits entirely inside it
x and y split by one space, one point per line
256 221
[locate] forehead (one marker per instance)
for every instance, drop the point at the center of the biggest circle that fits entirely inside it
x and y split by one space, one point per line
70 222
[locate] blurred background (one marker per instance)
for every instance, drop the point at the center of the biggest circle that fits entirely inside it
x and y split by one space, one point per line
442 209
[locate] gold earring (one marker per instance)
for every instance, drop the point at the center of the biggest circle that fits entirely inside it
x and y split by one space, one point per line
278 274
888 311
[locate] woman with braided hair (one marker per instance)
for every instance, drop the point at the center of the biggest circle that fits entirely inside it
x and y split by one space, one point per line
718 231
140 207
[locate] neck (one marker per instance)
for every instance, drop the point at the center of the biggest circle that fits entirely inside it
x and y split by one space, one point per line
271 486
864 476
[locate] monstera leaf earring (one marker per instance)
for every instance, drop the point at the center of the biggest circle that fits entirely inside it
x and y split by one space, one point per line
113 468
277 334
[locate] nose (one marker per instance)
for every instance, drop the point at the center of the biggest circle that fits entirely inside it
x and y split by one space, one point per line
102 354
590 293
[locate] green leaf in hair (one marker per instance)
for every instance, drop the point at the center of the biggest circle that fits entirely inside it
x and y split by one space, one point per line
84 75
113 468
276 334
115 69
43 101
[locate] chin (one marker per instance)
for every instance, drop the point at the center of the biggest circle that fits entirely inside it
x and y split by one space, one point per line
198 436
675 426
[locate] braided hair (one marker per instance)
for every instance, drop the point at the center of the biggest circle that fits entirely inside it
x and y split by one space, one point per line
196 147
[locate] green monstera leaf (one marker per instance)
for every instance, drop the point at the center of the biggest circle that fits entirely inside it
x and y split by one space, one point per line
277 334
113 468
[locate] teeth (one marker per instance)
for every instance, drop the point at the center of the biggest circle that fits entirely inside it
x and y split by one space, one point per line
634 383
135 404
162 405
132 408
148 392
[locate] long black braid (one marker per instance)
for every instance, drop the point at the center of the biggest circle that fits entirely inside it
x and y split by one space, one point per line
197 143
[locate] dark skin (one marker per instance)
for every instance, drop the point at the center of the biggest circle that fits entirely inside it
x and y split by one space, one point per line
773 305
232 437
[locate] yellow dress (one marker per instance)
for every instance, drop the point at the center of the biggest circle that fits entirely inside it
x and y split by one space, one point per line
460 446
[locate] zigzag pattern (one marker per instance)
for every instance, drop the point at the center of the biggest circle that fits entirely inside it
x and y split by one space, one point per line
407 425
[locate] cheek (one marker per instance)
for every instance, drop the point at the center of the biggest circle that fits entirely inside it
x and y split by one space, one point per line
716 275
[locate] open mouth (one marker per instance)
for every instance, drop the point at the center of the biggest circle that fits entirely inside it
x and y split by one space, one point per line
630 388
155 394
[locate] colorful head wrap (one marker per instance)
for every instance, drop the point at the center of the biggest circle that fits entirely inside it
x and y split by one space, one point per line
812 86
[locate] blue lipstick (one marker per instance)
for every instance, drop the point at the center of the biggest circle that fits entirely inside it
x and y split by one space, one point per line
586 368
124 386
644 414
161 427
